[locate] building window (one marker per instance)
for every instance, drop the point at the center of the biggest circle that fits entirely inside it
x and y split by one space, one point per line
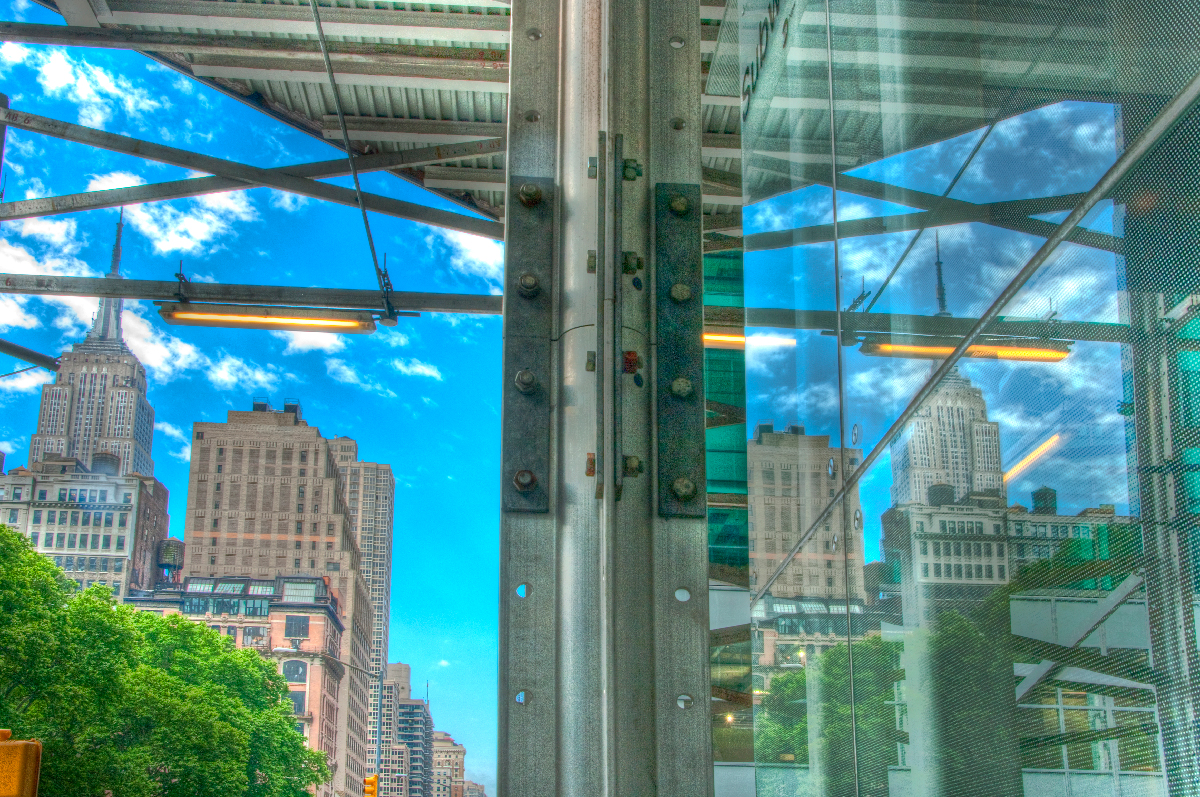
333 566
199 435
987 571
924 569
74 518
220 468
958 571
299 529
924 548
212 560
1001 571
122 520
328 529
91 563
937 548
297 702
978 571
108 520
41 495
37 518
50 517
937 569
127 498
95 541
120 543
62 495
999 549
295 626
73 496
216 522
296 564
303 457
70 540
295 672
829 581
106 544
300 509
118 565
33 539
58 540
103 496
220 452
942 526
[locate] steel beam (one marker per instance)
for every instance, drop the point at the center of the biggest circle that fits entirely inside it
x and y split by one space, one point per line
297 19
215 292
242 45
249 174
423 131
28 355
356 72
195 186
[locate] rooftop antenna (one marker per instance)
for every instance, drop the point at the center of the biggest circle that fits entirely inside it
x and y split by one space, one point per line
115 270
941 285
427 693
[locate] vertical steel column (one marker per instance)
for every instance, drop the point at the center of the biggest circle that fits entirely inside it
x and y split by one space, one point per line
603 423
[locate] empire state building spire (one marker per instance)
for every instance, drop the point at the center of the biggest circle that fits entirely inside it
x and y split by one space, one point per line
107 324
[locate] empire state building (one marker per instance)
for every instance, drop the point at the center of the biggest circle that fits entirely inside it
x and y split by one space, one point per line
98 402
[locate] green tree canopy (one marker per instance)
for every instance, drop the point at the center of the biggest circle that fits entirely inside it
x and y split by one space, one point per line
135 703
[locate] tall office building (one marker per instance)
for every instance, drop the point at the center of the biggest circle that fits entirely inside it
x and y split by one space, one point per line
395 761
949 441
791 479
449 758
369 492
265 499
97 401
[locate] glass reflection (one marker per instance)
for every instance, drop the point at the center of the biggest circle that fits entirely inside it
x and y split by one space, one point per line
1004 603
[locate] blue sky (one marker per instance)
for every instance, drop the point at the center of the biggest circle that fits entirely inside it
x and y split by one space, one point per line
1058 149
422 396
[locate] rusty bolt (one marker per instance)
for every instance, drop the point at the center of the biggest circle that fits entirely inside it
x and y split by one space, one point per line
681 387
529 194
680 292
525 380
679 205
684 489
524 481
528 285
633 466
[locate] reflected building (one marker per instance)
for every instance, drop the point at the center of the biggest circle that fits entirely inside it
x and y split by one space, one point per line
791 477
949 441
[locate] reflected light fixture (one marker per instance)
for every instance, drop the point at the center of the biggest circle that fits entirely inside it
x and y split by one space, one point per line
1032 457
930 348
716 340
242 316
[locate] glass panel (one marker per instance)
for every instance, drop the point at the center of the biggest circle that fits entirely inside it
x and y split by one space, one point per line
1020 525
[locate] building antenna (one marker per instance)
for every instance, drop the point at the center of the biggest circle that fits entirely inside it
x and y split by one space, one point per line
941 285
426 693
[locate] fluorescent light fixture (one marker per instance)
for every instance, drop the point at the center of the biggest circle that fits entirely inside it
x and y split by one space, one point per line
917 347
243 316
1032 457
717 340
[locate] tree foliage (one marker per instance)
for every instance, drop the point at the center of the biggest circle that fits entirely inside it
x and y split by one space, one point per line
135 703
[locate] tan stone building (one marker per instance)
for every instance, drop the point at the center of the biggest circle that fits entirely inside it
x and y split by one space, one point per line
265 500
791 477
449 758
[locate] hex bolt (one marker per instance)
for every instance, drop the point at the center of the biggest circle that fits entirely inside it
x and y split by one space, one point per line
679 205
680 292
524 481
525 380
681 387
529 194
684 488
528 285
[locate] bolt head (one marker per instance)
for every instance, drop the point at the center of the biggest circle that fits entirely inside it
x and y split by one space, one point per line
529 194
684 489
681 387
633 466
528 285
679 205
680 292
525 381
524 481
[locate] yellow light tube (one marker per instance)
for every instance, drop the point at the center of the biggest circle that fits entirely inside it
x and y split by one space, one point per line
716 341
262 319
979 351
1032 456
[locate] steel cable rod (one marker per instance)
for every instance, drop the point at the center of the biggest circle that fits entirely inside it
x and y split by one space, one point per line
1143 144
384 282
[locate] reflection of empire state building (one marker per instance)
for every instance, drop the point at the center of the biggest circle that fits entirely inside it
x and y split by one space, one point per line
950 441
98 402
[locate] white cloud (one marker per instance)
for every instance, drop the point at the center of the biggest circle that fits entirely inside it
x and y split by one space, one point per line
164 355
9 447
443 663
343 372
182 225
470 254
391 337
414 367
175 433
300 342
233 372
26 382
288 202
96 91
59 233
